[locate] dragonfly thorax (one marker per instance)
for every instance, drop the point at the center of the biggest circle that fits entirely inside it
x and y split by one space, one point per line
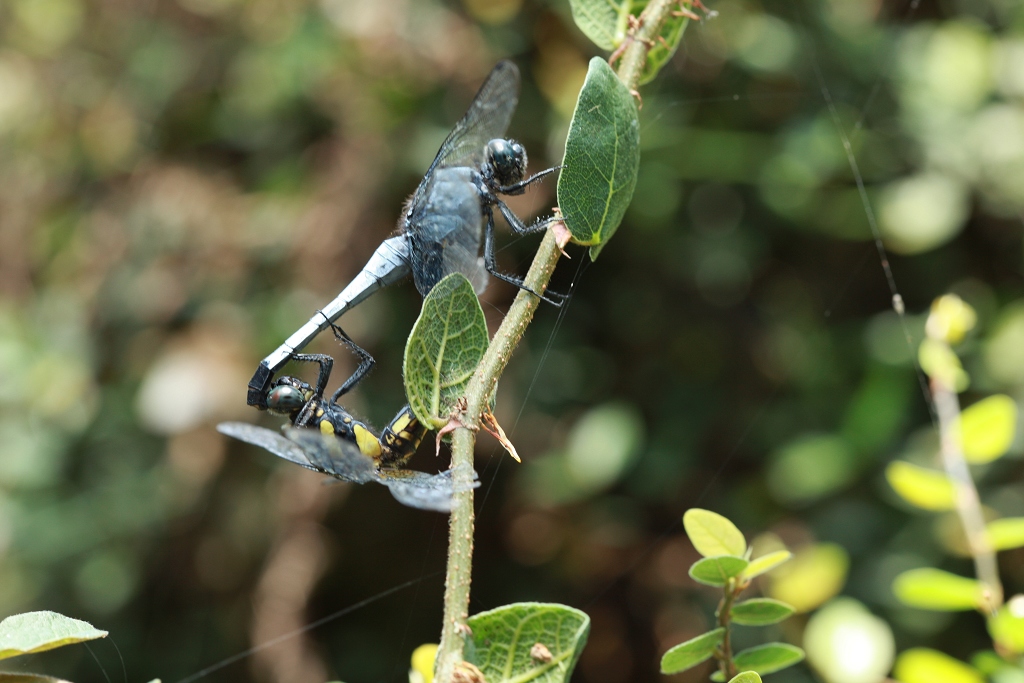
504 162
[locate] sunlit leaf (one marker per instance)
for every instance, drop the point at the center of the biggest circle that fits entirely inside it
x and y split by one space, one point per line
691 653
987 428
504 642
1007 625
766 563
921 487
602 154
746 677
443 349
941 364
922 665
930 588
1007 533
768 658
22 634
760 612
950 318
814 575
712 534
846 643
422 664
716 571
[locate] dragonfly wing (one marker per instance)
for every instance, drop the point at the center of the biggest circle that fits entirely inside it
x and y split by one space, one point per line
421 490
487 118
267 440
332 455
445 228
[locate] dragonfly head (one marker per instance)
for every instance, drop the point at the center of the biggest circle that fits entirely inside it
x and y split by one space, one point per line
506 160
288 395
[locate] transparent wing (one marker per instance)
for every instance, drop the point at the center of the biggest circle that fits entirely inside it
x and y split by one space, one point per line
487 118
422 490
331 455
267 440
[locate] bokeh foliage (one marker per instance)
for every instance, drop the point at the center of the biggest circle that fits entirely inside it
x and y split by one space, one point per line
183 182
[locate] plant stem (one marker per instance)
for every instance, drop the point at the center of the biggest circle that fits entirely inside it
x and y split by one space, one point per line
635 55
478 393
968 504
725 663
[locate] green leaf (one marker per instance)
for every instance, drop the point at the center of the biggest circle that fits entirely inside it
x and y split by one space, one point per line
766 563
1007 626
1004 534
934 589
602 154
443 350
603 21
691 653
987 428
746 677
816 574
921 487
769 658
923 665
504 640
760 612
940 363
716 571
22 634
712 534
672 34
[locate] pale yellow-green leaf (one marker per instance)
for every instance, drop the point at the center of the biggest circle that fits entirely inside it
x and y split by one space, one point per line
22 634
814 575
930 588
1007 533
766 563
1007 626
940 363
924 488
987 428
923 665
712 534
423 663
950 319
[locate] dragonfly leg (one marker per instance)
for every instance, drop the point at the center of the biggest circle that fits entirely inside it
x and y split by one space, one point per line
554 298
517 224
366 363
325 362
520 187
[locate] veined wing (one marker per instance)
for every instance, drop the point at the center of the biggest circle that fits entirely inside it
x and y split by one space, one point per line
487 118
422 490
331 455
267 440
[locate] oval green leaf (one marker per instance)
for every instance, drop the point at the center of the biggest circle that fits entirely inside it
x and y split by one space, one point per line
1004 534
1007 626
760 612
602 154
923 665
816 574
712 534
987 428
603 21
502 640
934 589
691 653
924 488
22 634
766 563
769 658
746 677
443 350
716 571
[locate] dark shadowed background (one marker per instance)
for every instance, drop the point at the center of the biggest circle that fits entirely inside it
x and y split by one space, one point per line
184 182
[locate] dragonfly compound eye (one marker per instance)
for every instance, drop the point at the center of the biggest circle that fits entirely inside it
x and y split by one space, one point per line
507 160
286 398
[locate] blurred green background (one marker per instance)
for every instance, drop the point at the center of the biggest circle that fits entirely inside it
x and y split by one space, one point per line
184 182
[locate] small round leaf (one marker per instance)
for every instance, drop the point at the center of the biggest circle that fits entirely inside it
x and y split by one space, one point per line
987 428
766 563
1004 534
924 488
929 588
691 653
712 534
769 658
760 612
716 571
923 665
22 634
